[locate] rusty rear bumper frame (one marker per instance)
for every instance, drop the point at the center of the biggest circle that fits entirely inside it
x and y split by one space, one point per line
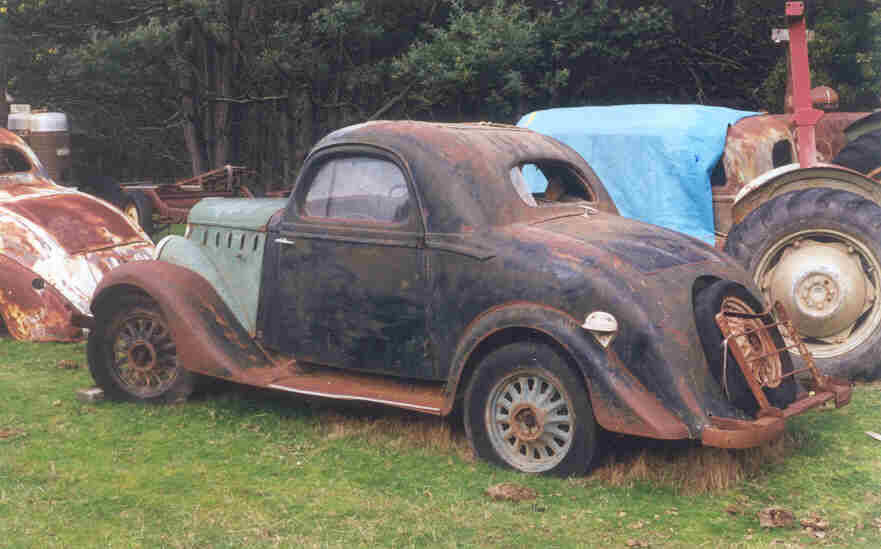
770 420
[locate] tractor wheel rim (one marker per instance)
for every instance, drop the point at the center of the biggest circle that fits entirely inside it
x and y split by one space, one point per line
829 283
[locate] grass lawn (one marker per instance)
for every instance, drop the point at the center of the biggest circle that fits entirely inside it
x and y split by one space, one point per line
245 468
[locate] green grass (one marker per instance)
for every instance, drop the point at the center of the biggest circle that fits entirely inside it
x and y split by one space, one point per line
238 467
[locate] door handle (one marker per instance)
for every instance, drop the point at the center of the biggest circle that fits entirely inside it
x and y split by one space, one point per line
283 241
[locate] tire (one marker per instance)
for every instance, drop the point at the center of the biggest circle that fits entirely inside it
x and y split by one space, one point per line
732 296
499 381
132 354
863 154
108 189
799 239
139 207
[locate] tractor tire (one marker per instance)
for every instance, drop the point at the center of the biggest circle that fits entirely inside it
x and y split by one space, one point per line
818 251
863 154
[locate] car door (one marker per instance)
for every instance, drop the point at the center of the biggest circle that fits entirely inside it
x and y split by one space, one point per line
350 271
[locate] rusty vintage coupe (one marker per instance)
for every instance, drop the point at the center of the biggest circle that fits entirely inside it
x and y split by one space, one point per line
55 245
410 267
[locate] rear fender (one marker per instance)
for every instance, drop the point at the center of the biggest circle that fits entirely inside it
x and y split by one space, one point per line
209 338
620 402
792 177
31 308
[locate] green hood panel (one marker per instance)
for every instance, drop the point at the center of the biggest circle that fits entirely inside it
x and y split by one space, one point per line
236 213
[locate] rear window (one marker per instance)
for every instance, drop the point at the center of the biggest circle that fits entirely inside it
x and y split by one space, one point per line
13 161
547 183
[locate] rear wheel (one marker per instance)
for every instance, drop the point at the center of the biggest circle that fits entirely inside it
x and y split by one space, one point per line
133 356
731 297
818 251
526 409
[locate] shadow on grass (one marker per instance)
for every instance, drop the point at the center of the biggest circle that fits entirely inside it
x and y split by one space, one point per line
686 466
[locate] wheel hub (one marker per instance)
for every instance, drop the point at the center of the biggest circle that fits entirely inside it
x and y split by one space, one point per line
527 422
822 285
756 346
142 356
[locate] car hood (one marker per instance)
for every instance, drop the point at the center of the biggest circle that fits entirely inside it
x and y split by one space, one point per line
235 213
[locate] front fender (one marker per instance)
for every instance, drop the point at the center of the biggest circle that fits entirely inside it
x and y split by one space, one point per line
209 338
189 255
792 177
620 402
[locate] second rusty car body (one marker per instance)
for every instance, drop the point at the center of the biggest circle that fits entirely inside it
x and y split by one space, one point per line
55 245
410 267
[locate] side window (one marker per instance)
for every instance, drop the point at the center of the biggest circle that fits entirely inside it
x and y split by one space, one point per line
545 183
359 188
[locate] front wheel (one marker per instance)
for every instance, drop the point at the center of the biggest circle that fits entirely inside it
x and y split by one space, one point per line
133 356
818 252
526 409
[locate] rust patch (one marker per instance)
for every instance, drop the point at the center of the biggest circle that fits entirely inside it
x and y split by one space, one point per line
31 313
77 222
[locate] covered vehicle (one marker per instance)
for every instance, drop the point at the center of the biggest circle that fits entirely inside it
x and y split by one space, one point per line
55 245
411 267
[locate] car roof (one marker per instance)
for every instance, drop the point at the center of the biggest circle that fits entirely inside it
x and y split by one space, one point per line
462 170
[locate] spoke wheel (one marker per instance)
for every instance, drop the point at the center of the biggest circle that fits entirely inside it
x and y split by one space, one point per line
530 421
725 295
133 356
526 409
144 358
756 346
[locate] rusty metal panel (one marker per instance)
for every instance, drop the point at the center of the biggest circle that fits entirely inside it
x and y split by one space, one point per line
31 309
55 245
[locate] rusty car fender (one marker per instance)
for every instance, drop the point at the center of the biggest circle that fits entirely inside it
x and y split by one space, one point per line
792 177
32 309
209 338
620 402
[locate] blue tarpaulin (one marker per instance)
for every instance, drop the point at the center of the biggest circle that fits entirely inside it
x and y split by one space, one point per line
655 160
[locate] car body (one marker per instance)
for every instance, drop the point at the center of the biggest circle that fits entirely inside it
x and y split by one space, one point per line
55 245
410 267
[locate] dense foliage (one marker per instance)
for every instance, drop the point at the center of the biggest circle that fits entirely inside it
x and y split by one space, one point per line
170 87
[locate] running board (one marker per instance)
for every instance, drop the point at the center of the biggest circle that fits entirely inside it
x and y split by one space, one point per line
419 396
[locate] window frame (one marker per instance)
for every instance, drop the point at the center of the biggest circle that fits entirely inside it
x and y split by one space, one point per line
579 176
295 210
